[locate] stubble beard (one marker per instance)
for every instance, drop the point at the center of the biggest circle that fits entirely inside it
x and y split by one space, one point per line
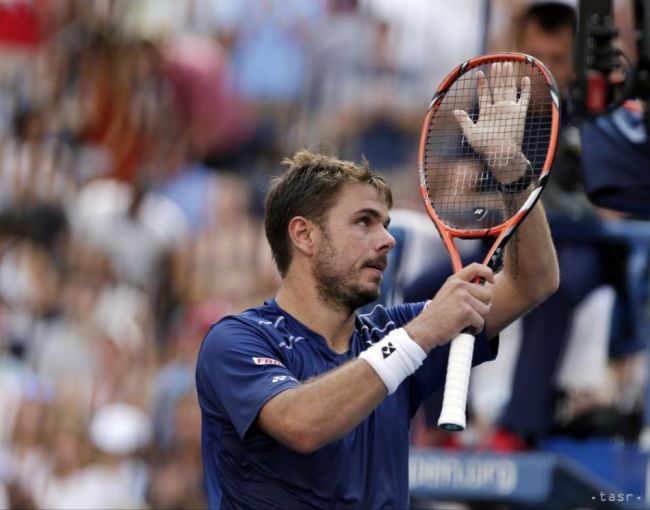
335 289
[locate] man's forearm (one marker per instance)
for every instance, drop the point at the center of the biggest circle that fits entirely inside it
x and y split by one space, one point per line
317 412
530 273
530 259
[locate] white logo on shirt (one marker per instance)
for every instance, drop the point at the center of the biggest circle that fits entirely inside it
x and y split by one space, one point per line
279 378
266 361
291 342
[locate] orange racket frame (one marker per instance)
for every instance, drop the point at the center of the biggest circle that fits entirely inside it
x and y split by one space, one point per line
505 230
456 386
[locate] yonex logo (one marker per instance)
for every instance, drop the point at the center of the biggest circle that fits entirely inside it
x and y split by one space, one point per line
387 350
479 213
280 378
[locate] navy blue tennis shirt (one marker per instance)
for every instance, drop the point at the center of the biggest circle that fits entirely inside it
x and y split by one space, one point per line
247 359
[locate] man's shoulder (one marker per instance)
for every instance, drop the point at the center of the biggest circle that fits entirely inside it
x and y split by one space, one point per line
242 336
249 321
261 324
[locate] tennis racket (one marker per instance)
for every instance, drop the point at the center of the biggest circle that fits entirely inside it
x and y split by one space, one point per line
487 145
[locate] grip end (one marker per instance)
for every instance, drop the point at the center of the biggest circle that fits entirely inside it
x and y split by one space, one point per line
452 421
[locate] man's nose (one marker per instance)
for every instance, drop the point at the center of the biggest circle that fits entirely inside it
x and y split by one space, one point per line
388 242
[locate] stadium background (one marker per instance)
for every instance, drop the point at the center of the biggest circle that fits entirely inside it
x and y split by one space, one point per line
136 142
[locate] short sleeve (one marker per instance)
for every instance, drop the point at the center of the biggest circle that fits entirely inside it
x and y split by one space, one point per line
237 372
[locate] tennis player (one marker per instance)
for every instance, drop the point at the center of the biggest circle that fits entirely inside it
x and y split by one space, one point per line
306 404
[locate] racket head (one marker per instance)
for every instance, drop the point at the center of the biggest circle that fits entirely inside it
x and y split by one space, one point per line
460 192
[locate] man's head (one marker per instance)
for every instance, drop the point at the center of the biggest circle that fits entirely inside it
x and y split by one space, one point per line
546 31
310 187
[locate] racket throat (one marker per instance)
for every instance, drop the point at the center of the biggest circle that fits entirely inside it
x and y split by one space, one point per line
494 258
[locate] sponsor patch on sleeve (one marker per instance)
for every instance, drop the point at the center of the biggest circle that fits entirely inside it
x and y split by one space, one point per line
267 361
280 378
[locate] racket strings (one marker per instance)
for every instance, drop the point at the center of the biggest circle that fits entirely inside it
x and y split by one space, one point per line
462 186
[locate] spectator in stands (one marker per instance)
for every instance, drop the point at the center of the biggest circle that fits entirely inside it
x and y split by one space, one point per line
546 30
69 453
177 474
175 376
360 97
94 100
269 44
26 456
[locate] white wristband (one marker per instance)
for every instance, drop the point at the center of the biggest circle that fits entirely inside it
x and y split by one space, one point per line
394 358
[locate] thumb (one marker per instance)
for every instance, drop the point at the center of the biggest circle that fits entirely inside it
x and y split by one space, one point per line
464 122
476 271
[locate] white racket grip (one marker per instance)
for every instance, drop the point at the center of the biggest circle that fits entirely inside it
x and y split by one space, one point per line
454 401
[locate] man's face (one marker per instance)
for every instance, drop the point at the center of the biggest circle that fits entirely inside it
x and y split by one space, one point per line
354 250
554 49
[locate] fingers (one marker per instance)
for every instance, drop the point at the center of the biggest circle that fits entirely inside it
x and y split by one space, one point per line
483 91
476 319
525 93
474 300
497 84
481 293
504 85
472 309
475 294
509 84
459 304
476 271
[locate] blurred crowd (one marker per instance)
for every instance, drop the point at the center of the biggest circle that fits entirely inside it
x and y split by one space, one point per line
136 143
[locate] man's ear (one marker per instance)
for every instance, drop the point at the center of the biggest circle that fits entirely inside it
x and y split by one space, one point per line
304 235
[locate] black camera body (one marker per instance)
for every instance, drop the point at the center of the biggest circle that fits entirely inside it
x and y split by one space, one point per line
605 78
604 74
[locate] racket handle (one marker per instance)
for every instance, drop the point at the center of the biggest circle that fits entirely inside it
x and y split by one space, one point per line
454 401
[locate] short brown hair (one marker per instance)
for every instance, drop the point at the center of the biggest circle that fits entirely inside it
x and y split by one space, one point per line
550 16
309 188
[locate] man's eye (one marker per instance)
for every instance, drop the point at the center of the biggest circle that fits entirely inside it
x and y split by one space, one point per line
364 221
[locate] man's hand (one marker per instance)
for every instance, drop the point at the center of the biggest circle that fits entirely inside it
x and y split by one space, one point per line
459 304
498 133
